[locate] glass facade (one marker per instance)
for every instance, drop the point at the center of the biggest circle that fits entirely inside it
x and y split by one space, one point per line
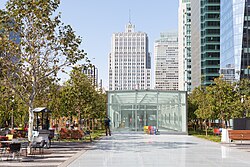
210 41
235 39
132 110
205 38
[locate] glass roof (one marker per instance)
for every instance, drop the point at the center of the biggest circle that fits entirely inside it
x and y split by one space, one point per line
144 97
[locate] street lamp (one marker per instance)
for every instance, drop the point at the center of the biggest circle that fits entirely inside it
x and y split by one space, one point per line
12 113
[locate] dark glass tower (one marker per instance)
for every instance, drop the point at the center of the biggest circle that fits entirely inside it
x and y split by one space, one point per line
235 39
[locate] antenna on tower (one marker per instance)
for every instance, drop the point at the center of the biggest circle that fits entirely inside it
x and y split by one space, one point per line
129 16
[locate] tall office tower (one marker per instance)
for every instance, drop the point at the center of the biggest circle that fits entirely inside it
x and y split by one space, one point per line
184 45
92 74
166 61
205 41
235 39
129 60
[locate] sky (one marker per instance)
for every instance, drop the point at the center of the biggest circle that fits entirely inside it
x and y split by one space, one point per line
96 20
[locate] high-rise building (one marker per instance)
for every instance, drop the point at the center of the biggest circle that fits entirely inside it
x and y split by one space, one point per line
166 61
235 39
195 43
184 45
205 41
129 60
92 74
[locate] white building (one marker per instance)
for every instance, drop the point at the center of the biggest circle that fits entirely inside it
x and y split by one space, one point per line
166 61
184 38
129 60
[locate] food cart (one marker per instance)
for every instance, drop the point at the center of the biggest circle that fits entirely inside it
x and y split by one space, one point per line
41 127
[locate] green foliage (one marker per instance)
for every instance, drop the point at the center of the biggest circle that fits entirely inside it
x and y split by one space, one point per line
80 98
202 135
35 45
191 109
46 46
223 100
243 91
201 99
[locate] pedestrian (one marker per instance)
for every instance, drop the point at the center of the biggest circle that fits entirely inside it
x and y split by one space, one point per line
107 126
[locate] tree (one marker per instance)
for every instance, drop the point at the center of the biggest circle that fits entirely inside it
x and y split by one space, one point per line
225 100
192 118
243 92
201 98
77 95
45 46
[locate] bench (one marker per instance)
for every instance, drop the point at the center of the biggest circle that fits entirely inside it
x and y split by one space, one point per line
73 134
239 135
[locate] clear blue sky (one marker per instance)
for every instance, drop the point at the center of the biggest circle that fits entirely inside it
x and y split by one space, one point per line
96 20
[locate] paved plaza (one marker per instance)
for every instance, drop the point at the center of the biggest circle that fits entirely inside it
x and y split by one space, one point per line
141 150
61 153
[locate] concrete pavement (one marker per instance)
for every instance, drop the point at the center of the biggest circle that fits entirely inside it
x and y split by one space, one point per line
59 153
141 150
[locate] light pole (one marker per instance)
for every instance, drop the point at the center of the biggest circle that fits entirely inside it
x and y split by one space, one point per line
12 113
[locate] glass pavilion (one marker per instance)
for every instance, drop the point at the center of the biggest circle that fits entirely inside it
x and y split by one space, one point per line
134 109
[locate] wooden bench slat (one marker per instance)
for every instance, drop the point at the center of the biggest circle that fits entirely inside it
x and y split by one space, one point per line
239 134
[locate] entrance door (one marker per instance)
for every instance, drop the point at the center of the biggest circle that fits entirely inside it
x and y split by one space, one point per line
140 120
131 119
136 118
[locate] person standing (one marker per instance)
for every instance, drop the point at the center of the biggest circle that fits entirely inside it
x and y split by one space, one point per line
107 126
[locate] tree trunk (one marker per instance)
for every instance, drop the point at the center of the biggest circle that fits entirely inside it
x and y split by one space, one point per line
31 119
79 119
206 127
223 124
92 128
30 129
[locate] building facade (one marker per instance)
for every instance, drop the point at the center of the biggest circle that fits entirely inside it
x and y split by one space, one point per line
235 39
129 60
195 43
184 45
205 39
166 61
92 74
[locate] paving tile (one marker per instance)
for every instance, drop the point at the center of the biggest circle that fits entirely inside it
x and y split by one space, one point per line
141 150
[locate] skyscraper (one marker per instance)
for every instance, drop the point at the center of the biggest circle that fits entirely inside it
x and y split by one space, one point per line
184 45
92 74
235 39
129 60
166 61
205 41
